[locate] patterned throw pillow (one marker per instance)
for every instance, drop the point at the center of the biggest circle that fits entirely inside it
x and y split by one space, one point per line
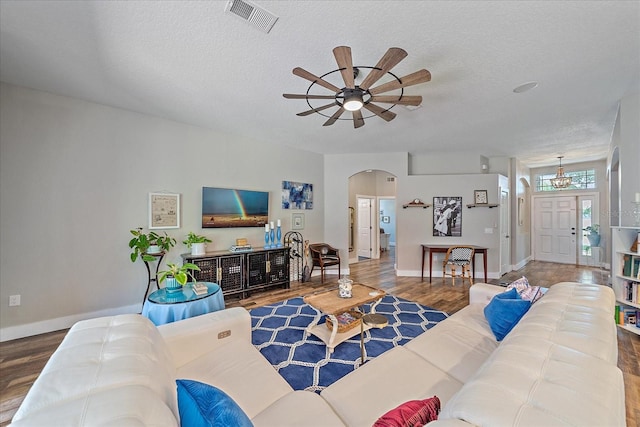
520 284
526 291
413 413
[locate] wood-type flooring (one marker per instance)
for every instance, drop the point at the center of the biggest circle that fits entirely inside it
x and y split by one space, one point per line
22 360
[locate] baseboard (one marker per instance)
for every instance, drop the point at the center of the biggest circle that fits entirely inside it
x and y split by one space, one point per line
50 325
522 263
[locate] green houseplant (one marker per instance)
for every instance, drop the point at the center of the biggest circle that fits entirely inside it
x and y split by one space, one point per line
142 244
180 273
196 243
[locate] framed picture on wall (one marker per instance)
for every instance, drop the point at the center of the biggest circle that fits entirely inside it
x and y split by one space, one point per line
164 210
480 197
447 216
385 219
297 221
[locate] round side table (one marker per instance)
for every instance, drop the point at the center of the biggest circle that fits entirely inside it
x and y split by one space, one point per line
375 320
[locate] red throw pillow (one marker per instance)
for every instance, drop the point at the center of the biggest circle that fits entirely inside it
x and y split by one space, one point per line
413 413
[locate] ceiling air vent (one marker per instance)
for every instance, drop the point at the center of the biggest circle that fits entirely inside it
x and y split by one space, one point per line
391 179
254 15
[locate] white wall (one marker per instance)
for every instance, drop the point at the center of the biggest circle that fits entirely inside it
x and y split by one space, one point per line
629 146
75 178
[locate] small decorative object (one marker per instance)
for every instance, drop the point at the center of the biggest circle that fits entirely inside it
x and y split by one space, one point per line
196 243
279 235
344 287
266 236
272 236
177 275
593 236
164 210
480 197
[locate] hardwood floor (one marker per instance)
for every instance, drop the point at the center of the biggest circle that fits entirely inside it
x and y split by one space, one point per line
22 360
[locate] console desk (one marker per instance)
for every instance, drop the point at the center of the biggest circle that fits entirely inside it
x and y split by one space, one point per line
444 248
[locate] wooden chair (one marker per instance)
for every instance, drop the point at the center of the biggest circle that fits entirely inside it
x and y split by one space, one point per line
458 256
323 256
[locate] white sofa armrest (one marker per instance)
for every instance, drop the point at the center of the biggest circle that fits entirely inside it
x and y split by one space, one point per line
191 338
482 293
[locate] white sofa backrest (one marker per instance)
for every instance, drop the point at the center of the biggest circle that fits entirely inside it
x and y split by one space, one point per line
99 355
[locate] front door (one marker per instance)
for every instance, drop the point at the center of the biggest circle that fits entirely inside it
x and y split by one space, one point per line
555 229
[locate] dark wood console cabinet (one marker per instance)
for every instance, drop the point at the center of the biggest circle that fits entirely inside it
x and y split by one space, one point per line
239 273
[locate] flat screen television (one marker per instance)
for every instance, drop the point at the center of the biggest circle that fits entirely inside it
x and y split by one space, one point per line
228 208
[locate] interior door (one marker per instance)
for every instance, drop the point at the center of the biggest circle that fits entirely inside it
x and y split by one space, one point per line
555 229
364 227
505 240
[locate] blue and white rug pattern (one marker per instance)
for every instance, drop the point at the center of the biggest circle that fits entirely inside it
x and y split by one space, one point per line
278 332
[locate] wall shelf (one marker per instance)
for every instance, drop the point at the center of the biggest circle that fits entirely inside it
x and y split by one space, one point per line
484 205
416 205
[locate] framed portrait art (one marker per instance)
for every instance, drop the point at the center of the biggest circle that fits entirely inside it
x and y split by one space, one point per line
447 216
164 210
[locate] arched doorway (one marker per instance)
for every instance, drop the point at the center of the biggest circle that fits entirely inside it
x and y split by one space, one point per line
372 215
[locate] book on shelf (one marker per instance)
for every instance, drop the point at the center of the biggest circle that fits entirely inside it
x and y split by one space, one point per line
631 291
627 316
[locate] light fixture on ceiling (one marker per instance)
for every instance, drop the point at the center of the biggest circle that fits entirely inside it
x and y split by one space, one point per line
352 100
560 181
356 98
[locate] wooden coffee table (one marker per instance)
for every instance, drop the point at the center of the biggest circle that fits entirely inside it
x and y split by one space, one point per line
331 304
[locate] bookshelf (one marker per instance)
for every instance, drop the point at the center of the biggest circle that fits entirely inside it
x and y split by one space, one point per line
625 277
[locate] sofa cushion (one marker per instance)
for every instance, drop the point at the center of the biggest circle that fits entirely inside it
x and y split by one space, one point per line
242 372
414 413
394 377
101 354
458 345
298 408
504 311
203 405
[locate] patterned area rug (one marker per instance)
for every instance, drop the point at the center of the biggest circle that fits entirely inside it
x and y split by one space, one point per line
278 331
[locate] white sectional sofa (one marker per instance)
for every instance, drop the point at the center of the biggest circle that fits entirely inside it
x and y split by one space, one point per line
557 367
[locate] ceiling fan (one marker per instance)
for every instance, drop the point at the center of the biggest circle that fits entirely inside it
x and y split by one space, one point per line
353 97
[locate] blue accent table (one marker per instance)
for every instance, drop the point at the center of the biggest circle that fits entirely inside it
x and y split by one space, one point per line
165 307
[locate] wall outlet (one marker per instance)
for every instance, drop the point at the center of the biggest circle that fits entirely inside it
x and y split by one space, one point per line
14 300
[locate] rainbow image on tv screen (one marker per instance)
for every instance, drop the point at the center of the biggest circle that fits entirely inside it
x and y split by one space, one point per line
225 208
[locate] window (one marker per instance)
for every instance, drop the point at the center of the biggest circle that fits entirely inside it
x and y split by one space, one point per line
580 180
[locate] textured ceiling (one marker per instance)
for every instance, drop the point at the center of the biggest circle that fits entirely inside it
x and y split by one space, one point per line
191 62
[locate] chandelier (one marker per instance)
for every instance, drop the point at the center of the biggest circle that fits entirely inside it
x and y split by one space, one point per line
560 181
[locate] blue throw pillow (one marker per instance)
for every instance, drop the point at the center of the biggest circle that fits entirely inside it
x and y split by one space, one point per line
504 311
204 405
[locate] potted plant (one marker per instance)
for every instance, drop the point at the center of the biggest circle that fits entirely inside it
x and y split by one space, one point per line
143 244
177 275
593 236
197 243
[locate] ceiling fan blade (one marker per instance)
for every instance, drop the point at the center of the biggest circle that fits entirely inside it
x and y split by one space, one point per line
390 59
315 79
315 110
335 117
297 96
358 121
381 112
392 99
420 76
345 63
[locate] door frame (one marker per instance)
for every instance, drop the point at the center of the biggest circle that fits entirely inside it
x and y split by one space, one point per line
373 221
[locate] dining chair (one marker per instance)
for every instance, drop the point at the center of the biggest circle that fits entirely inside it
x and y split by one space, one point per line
458 256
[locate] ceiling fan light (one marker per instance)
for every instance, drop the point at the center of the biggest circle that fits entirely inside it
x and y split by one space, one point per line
353 103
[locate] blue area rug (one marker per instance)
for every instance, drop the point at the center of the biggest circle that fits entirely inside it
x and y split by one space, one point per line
278 332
